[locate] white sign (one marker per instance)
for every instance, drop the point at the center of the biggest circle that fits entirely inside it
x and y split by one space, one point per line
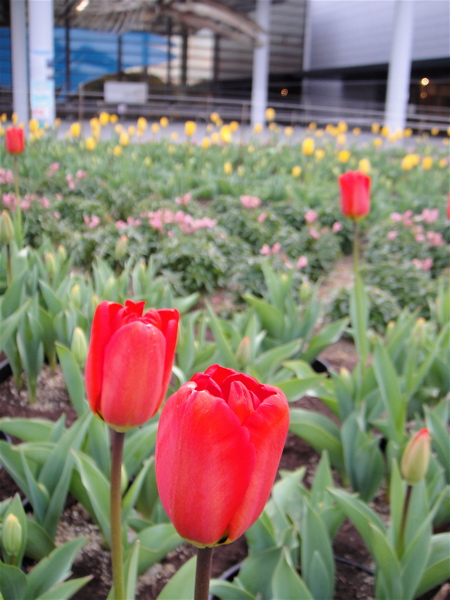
129 92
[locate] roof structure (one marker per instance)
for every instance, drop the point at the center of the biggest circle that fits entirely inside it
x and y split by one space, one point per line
228 18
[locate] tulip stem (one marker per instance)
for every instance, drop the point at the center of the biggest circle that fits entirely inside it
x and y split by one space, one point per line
117 441
401 544
203 573
18 228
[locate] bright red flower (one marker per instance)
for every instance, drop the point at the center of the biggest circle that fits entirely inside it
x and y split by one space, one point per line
15 141
219 443
355 194
129 362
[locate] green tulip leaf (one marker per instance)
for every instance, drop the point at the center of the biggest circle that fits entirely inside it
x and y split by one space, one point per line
287 583
327 335
64 591
97 488
181 585
53 569
437 568
229 591
389 580
74 379
13 582
155 542
320 432
28 430
39 543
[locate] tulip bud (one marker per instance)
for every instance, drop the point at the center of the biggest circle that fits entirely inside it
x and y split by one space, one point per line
12 535
243 352
416 457
50 264
305 291
419 333
79 347
6 228
62 253
121 247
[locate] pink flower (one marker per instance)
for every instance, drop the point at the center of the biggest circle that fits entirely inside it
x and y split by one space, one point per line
86 219
57 215
396 217
81 174
265 250
95 221
337 227
25 204
54 167
430 215
120 225
406 218
392 235
302 262
419 237
314 233
310 216
250 201
276 248
45 202
435 238
424 264
184 200
262 217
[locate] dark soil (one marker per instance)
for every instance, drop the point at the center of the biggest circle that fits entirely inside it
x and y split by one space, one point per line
354 568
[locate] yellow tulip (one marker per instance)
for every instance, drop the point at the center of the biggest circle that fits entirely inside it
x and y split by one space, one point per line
227 168
174 136
131 130
103 118
33 125
427 163
206 143
117 150
3 118
164 121
113 119
148 161
377 142
343 156
90 144
124 138
75 130
408 132
342 127
364 166
234 125
312 126
14 119
270 114
319 153
155 127
225 134
435 131
257 128
375 128
190 127
215 137
142 124
356 130
214 117
341 138
385 131
288 131
296 171
308 146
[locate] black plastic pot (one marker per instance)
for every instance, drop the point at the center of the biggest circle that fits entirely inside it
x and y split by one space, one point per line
5 370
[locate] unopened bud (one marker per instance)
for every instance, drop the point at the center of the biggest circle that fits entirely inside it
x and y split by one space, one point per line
75 295
79 347
50 264
305 291
12 535
416 457
243 352
109 287
6 228
419 332
62 253
121 247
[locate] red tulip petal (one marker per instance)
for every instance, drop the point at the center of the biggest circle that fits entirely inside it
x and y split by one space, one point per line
169 327
133 370
268 427
204 464
240 401
101 332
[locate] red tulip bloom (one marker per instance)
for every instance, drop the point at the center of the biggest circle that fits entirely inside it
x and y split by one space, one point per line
15 141
129 362
218 446
355 194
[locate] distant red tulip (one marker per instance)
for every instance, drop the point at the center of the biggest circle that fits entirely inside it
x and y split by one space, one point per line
15 141
129 362
355 194
416 457
218 447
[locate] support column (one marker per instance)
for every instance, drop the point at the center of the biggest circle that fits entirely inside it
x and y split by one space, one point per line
261 64
19 60
42 60
399 66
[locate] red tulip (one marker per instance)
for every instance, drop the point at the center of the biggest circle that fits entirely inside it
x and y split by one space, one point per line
219 443
355 194
129 362
15 141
